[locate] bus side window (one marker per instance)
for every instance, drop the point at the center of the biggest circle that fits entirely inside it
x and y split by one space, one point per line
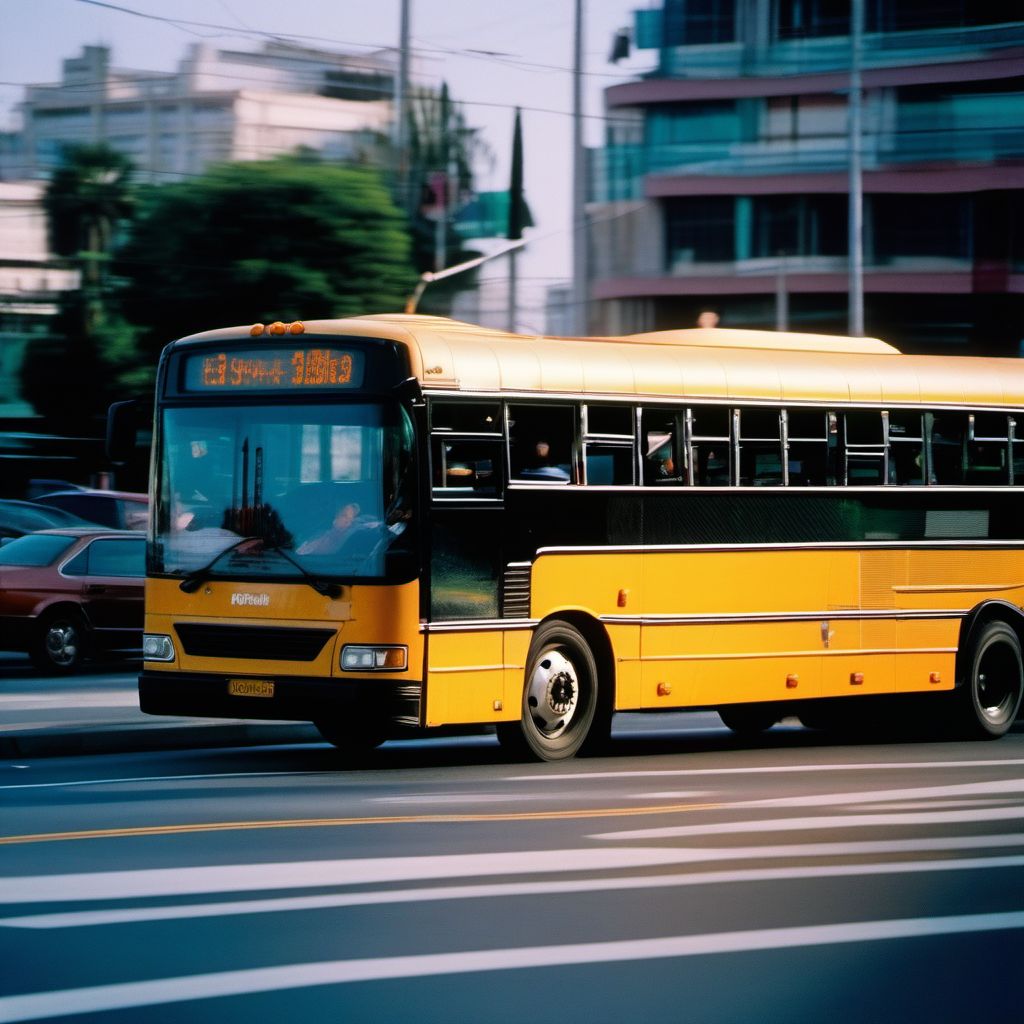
906 447
540 443
472 467
608 443
948 447
760 447
466 448
807 432
988 448
864 448
710 445
663 452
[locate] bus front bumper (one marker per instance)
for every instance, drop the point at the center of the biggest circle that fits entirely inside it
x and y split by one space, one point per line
280 698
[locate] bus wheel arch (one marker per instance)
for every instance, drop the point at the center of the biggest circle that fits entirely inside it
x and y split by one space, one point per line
990 671
568 691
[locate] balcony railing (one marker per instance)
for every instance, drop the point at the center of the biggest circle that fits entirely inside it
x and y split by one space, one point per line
618 172
832 53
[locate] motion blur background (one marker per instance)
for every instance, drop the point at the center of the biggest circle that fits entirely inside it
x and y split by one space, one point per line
168 170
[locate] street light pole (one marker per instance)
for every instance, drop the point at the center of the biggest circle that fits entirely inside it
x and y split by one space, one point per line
856 204
579 183
400 128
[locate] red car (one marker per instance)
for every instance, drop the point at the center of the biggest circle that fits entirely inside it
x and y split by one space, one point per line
67 594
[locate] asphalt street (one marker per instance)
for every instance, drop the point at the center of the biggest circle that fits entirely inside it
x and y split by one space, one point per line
686 876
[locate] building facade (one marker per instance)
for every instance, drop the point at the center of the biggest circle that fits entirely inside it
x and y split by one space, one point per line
724 181
31 285
220 105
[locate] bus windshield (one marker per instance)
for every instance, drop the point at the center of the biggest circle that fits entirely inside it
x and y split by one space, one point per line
283 490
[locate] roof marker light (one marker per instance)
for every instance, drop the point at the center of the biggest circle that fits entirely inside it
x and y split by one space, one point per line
297 328
277 328
256 330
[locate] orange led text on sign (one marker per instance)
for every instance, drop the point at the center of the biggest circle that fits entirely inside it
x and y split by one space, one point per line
309 368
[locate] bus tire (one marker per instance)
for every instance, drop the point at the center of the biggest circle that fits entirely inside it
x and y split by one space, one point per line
749 719
989 696
560 696
351 735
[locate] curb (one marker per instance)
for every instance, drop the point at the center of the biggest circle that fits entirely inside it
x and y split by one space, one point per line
125 739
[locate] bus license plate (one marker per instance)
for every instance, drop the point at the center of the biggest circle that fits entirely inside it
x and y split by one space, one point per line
251 687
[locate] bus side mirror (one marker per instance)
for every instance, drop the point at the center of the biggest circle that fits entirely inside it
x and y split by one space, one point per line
409 391
123 430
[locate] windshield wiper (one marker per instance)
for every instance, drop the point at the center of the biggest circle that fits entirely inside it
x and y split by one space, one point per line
331 590
192 581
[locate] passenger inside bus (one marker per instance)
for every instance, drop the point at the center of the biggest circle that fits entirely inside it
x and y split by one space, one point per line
344 526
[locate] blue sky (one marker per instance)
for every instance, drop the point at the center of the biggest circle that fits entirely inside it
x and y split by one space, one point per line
493 55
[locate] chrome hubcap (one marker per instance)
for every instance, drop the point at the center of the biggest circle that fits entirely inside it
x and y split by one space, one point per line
553 694
62 643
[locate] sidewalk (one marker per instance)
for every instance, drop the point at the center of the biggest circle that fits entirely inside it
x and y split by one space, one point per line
107 720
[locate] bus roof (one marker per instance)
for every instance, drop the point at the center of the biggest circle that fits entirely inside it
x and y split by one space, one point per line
701 363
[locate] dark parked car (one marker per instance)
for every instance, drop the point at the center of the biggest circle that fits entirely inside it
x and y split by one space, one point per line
20 517
120 510
68 594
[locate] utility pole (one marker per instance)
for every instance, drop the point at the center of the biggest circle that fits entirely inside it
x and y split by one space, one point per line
516 219
856 204
579 182
400 128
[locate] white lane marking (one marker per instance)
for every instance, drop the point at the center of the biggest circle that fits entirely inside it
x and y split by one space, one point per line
891 820
175 778
129 995
542 776
308 875
576 777
80 699
991 788
103 885
78 919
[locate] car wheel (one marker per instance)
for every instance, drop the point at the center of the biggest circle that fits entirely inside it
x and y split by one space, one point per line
60 641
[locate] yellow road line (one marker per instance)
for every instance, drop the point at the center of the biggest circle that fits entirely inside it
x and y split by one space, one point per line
401 819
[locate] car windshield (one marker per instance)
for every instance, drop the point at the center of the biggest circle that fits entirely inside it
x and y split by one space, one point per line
34 549
324 490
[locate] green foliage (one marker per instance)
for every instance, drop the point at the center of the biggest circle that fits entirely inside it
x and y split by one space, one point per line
285 239
87 196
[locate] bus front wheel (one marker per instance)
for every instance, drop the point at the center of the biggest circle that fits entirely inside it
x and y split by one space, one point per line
990 695
560 696
351 735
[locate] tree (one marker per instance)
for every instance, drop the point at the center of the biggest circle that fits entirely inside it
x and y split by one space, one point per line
442 151
285 239
72 374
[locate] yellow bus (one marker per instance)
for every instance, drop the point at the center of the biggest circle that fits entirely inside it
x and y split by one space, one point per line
394 522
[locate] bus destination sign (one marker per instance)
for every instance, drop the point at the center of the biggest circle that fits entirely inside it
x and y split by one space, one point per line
275 369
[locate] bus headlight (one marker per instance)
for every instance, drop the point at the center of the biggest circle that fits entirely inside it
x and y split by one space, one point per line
379 658
157 648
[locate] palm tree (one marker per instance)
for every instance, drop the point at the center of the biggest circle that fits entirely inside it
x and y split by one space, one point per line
88 196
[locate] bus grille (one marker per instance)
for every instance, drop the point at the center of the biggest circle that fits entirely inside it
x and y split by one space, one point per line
515 591
252 642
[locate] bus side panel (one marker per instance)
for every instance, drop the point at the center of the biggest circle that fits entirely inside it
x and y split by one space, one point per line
597 585
733 657
466 678
947 580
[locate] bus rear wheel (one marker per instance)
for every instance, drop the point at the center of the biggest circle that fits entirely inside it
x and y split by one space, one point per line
560 696
749 719
990 695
